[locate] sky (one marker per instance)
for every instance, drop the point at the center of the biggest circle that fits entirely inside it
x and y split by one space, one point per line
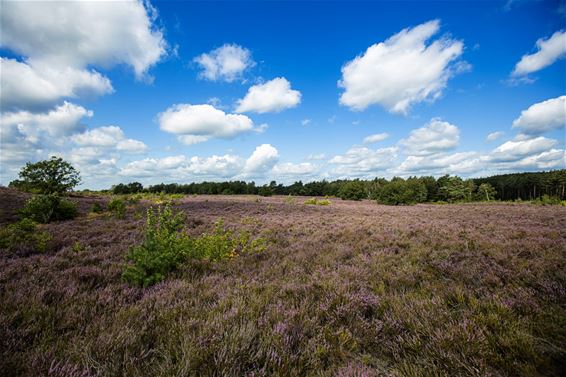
179 91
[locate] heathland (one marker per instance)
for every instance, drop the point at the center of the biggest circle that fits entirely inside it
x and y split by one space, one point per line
347 288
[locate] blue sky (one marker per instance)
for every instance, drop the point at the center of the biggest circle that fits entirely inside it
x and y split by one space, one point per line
192 91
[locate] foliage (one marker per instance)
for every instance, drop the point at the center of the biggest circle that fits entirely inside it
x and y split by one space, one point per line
23 236
163 249
485 191
97 208
317 202
118 207
354 190
45 208
130 188
508 187
400 191
166 247
53 176
546 200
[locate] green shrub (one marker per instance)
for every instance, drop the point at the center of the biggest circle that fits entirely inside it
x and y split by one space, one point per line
166 247
316 202
45 208
547 200
163 249
118 207
66 210
96 208
24 236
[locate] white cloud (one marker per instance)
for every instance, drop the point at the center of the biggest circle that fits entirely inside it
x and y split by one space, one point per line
61 121
455 163
226 63
198 123
436 136
58 41
289 169
273 96
549 51
543 116
362 161
376 138
109 137
306 122
82 33
35 87
401 71
515 150
494 135
261 161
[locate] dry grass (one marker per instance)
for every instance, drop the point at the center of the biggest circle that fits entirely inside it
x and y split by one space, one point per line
351 289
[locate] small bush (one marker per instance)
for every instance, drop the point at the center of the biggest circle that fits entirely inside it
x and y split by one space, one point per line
96 208
118 207
66 210
163 249
546 200
316 202
45 208
166 247
23 236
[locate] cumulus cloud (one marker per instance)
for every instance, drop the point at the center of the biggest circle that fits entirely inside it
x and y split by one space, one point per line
289 169
261 161
548 51
515 150
273 96
542 117
226 63
198 123
494 135
376 138
39 86
59 40
454 163
61 121
401 71
436 136
82 33
362 161
109 137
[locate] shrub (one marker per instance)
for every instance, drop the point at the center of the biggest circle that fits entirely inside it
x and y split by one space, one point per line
547 200
96 208
315 201
118 207
162 250
45 208
166 247
23 236
66 210
400 191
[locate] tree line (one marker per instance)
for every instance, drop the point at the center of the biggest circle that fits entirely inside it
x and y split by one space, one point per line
517 186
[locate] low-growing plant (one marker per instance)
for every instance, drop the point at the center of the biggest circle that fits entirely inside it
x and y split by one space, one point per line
317 202
546 200
24 236
118 207
163 249
45 208
96 208
166 247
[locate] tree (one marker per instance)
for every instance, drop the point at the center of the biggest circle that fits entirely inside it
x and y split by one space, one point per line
53 176
353 190
486 192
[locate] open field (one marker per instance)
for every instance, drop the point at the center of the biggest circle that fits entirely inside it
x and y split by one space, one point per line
346 289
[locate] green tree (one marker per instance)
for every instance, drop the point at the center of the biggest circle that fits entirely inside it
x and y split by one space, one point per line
53 176
353 190
486 192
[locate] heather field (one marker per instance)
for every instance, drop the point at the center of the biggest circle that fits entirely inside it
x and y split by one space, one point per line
343 289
